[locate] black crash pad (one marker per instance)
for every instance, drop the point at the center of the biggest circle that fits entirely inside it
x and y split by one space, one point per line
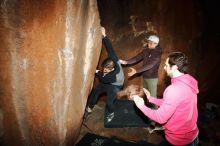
95 140
126 115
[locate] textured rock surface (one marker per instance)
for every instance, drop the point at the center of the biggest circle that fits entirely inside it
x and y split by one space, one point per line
48 55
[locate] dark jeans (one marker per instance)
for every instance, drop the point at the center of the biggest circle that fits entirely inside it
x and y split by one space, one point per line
110 90
194 143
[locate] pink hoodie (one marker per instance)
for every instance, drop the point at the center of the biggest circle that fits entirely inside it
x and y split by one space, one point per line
178 110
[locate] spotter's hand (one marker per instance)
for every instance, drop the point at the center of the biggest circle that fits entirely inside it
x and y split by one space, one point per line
138 101
132 72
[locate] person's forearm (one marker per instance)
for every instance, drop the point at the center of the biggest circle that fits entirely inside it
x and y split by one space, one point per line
110 50
155 100
135 59
161 115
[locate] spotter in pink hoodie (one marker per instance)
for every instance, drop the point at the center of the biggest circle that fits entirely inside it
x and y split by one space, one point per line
178 110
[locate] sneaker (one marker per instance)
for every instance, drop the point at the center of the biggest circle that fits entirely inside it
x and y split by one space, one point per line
88 110
110 117
156 128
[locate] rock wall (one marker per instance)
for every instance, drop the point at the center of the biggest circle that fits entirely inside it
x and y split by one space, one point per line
48 55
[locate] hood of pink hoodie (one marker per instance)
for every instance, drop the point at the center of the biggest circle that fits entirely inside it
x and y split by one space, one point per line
188 80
